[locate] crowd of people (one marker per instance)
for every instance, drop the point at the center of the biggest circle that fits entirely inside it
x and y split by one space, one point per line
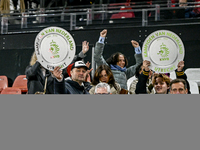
110 77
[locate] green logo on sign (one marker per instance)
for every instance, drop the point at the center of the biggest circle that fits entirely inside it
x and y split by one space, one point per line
54 49
164 52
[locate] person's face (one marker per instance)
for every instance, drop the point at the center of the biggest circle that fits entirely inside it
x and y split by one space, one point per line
78 74
104 77
182 3
121 61
160 86
178 88
102 91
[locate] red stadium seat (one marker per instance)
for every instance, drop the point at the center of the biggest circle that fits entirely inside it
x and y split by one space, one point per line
11 90
21 83
3 82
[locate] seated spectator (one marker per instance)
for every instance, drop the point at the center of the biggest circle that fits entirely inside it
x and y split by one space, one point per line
78 73
104 74
102 88
149 85
178 86
117 61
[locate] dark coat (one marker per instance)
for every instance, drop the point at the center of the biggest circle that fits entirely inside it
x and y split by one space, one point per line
36 80
69 87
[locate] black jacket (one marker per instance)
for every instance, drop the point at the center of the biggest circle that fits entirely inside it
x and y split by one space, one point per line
36 80
69 87
143 77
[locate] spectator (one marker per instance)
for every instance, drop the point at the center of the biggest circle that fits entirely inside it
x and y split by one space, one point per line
117 62
105 75
178 86
36 74
160 81
78 72
149 85
189 13
102 88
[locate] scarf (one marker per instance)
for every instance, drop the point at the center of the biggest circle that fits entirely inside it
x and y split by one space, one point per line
116 67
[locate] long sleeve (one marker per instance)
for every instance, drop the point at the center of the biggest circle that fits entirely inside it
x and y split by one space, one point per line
141 84
98 51
131 70
31 71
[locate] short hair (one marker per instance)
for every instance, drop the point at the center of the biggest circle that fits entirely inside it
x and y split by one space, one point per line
114 58
102 85
163 76
177 81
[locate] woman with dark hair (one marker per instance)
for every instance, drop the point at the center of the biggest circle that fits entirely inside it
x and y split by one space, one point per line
104 74
117 62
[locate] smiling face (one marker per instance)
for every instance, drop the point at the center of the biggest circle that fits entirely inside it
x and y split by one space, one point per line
104 77
121 61
160 86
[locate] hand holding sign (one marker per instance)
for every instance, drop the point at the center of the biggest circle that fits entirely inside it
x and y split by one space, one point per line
54 46
164 49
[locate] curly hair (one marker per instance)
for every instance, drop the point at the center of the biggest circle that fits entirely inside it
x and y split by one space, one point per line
97 75
114 58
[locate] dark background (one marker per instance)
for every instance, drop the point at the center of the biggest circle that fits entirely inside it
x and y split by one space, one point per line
16 49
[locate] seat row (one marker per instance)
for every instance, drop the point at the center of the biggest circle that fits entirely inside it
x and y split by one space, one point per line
19 85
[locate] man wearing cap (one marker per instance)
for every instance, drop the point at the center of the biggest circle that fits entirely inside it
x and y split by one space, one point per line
78 73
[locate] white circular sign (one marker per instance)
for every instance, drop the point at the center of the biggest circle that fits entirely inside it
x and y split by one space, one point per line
54 46
164 49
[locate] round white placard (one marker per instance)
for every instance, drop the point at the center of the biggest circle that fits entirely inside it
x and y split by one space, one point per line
164 49
54 46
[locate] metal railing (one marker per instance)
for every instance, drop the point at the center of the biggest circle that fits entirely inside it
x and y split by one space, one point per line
104 10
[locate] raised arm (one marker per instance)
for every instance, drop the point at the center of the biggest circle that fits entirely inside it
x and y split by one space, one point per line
142 79
181 74
138 59
99 47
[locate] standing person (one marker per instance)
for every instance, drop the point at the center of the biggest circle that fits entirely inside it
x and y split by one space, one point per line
103 74
36 73
75 85
149 86
161 82
117 62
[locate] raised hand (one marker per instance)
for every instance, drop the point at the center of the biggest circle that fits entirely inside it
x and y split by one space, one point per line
103 33
180 66
146 65
85 47
135 43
